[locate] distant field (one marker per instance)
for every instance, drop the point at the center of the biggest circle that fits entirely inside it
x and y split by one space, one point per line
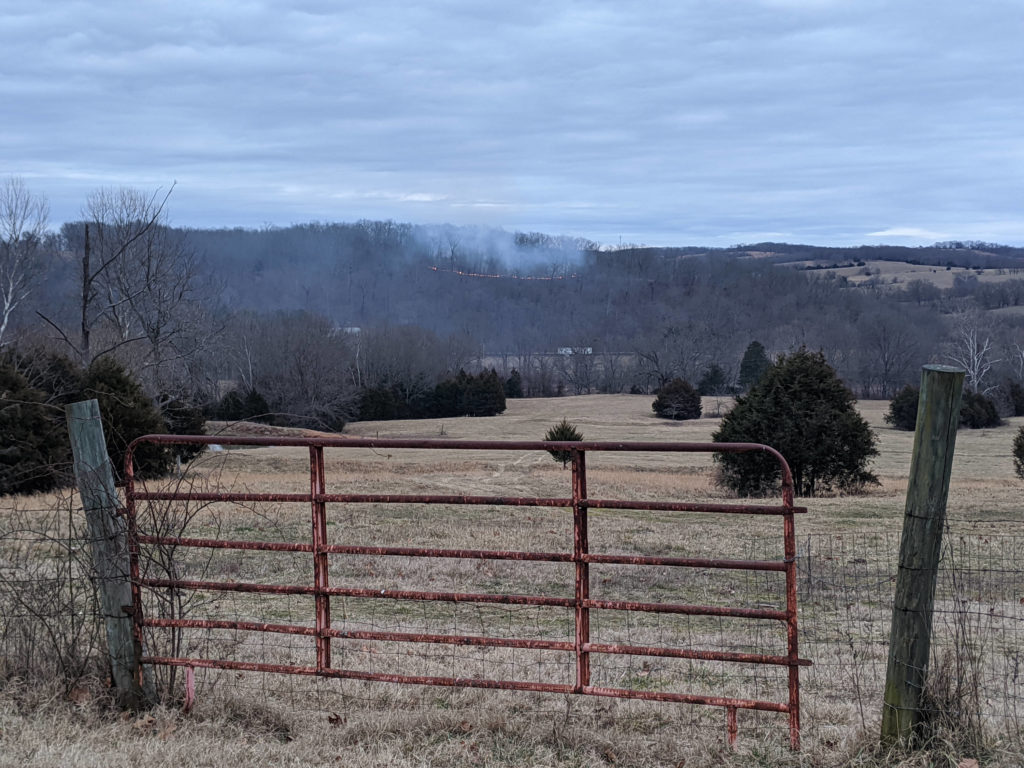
1008 311
983 457
903 272
847 551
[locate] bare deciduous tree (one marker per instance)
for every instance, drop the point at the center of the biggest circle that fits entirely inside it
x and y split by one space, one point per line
23 217
972 349
889 351
300 367
140 283
150 289
1017 358
116 220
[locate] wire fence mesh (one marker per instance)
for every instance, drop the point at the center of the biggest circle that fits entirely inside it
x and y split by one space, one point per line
50 623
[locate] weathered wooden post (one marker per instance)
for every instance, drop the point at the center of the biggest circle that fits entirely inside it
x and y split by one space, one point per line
938 416
108 537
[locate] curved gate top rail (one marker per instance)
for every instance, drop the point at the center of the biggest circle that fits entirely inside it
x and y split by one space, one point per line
579 502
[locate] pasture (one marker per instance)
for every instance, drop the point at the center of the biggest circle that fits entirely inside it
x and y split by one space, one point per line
846 556
898 273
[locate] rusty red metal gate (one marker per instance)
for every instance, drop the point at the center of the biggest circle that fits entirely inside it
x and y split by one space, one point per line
580 557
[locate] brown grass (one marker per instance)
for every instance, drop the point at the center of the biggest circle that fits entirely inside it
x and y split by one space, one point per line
903 272
244 718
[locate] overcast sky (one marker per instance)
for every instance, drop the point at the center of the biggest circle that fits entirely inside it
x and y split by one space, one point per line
686 122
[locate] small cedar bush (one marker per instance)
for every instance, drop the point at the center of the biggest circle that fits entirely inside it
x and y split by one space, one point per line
903 409
182 418
801 408
236 406
563 431
677 400
978 411
35 452
127 414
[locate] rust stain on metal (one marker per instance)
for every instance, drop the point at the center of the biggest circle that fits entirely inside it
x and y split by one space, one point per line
580 549
582 649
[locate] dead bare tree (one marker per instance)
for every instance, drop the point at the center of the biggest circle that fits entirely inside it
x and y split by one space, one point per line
23 217
972 349
140 283
116 221
152 297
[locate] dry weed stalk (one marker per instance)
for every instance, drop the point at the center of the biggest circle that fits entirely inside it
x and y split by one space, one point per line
51 629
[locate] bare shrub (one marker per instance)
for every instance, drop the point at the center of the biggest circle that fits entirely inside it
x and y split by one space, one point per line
51 628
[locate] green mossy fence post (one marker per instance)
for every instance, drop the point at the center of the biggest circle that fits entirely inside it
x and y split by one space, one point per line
938 416
108 537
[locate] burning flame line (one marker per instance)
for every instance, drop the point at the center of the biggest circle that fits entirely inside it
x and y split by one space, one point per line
501 277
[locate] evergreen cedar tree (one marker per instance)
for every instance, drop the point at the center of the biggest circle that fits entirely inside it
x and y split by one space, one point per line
236 406
36 452
755 362
1016 393
182 418
677 400
563 431
714 382
976 410
463 395
126 413
902 412
800 408
34 448
514 385
1018 453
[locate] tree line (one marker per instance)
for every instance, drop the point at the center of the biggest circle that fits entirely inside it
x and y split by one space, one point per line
325 322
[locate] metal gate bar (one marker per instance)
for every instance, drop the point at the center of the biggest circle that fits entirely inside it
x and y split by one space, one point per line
322 632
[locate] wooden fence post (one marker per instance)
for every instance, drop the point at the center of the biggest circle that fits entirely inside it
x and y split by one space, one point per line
108 537
938 416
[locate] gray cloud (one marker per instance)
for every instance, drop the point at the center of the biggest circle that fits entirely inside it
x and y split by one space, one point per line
825 121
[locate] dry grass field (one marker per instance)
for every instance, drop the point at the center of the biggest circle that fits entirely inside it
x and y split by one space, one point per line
898 273
847 554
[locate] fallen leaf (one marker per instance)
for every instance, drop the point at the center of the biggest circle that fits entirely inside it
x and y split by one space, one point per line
335 719
969 762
